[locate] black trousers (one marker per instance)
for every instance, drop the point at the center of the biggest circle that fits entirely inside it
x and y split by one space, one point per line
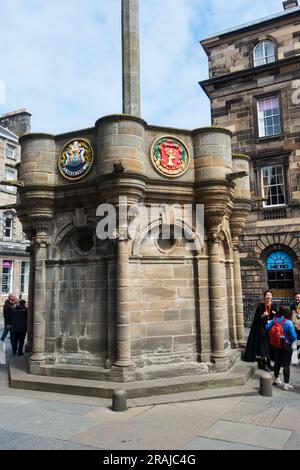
283 359
18 342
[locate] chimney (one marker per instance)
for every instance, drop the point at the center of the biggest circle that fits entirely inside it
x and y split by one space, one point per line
17 122
290 4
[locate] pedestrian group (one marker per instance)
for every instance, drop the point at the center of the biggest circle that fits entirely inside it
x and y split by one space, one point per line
15 323
273 332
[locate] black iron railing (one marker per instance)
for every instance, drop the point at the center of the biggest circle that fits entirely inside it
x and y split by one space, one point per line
250 303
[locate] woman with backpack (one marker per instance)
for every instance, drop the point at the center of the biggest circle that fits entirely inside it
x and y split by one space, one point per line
282 334
258 342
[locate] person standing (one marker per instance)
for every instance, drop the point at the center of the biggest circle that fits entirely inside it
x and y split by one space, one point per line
258 347
19 327
8 310
295 309
283 354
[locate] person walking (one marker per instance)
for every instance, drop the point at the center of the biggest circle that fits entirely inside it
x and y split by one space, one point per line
283 353
257 347
19 327
295 309
8 310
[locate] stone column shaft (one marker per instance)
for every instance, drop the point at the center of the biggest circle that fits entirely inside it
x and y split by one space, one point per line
216 304
29 344
131 57
123 305
238 298
40 288
231 303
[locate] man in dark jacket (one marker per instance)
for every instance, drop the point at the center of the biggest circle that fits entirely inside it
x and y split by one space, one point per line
19 327
8 309
258 341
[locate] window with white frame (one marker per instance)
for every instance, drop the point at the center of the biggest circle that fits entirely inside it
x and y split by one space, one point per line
8 226
24 277
11 152
269 122
273 186
10 175
7 277
264 53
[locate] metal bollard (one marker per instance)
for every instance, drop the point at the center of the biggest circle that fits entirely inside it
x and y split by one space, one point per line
119 400
266 389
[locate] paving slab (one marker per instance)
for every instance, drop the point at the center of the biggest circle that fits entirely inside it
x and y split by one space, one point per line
61 407
261 436
25 442
130 436
253 413
293 443
202 443
44 423
182 422
289 418
106 414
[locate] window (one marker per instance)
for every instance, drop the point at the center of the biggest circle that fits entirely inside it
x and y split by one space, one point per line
264 53
11 152
24 277
269 122
8 226
280 270
7 270
10 176
273 186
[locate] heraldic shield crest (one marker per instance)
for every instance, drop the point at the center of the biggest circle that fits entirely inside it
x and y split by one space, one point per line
170 157
76 159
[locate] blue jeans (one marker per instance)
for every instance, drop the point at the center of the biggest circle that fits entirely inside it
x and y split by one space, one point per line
5 333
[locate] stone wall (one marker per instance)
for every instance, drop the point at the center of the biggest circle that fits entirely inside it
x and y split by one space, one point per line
234 87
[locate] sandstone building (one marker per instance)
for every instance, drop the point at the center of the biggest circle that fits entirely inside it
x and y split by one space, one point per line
14 261
253 86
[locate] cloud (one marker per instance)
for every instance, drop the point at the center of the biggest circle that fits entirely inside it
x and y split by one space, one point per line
62 59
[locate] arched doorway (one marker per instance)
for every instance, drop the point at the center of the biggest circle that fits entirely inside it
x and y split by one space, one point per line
280 272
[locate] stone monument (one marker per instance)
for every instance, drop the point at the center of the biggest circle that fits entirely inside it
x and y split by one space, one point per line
133 307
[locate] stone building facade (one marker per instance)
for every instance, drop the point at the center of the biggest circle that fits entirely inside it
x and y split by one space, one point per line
253 85
14 260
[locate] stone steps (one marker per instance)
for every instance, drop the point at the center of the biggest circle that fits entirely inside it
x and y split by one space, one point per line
19 378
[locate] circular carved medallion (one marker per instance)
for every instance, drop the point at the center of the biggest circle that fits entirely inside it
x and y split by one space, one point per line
76 159
170 157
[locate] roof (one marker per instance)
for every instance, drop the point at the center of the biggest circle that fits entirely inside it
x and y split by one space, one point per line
266 19
7 134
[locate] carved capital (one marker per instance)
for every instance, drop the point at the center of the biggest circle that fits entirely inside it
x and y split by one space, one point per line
41 242
216 237
213 219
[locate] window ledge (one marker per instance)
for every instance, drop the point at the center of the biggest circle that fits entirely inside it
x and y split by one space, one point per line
261 140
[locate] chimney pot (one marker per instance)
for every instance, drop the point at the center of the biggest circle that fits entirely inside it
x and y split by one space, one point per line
290 4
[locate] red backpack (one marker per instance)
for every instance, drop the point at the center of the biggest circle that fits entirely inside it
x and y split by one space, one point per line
276 334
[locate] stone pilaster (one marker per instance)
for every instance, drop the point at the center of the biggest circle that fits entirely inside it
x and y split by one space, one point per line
41 243
213 222
123 307
29 345
229 265
237 223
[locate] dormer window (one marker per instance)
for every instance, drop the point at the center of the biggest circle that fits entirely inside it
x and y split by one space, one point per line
264 53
